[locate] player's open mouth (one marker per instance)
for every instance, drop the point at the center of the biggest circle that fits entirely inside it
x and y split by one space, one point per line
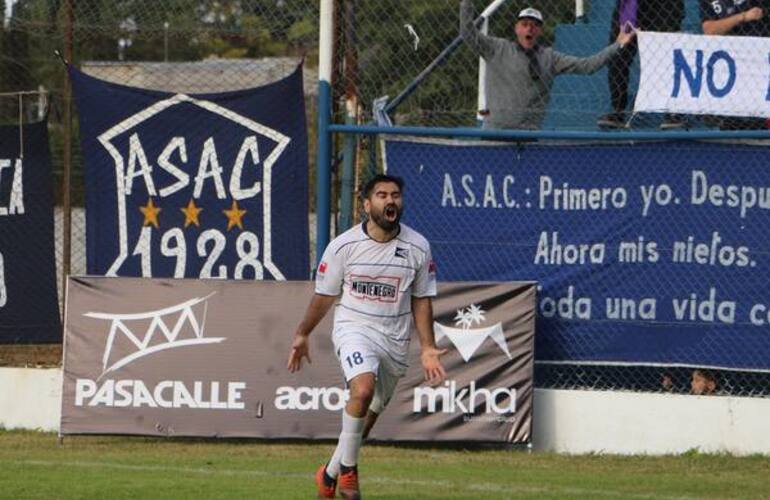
391 212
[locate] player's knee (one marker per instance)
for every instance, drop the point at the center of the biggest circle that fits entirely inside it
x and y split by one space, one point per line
362 393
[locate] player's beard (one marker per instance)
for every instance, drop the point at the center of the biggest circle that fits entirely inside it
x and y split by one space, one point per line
386 224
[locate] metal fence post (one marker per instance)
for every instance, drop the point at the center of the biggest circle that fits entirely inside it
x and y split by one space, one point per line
67 166
351 114
323 164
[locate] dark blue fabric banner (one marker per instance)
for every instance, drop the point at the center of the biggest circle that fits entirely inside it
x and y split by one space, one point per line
203 186
646 253
29 308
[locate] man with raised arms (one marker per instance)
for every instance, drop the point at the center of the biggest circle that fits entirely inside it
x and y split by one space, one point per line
384 276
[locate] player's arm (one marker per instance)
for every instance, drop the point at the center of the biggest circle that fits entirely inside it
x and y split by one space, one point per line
422 309
727 24
316 310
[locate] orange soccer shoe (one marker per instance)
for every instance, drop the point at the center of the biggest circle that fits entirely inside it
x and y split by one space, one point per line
348 480
326 485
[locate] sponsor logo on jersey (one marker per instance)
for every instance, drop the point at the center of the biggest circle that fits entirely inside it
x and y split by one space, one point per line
432 267
379 288
402 253
322 267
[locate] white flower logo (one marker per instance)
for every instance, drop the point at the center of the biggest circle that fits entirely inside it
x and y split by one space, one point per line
466 317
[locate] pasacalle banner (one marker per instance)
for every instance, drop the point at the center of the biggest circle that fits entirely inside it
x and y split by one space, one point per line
195 186
208 358
29 309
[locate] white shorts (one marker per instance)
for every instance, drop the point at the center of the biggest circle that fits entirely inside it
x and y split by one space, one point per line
359 354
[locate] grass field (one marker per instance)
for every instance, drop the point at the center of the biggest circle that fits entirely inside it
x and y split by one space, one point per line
34 465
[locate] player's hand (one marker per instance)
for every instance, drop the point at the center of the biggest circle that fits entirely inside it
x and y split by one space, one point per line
431 365
299 350
753 14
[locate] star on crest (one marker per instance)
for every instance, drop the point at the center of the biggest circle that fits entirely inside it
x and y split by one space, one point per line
150 212
234 216
191 212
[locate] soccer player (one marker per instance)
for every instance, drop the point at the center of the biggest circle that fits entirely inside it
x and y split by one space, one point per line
383 272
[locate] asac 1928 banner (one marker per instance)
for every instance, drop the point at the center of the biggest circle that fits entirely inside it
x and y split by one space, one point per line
208 358
29 310
196 186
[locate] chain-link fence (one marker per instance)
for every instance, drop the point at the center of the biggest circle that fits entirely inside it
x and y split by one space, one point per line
383 46
390 56
380 49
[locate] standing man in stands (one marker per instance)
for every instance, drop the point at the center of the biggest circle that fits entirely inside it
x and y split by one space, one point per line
520 73
736 18
646 15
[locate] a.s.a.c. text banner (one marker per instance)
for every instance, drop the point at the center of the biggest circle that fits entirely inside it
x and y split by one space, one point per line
645 253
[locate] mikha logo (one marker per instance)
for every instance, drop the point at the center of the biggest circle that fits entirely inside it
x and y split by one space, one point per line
472 399
467 340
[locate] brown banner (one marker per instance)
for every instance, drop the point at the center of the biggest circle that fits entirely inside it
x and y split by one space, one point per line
169 357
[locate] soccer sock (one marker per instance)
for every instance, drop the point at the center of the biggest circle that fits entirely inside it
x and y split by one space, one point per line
350 439
352 427
333 467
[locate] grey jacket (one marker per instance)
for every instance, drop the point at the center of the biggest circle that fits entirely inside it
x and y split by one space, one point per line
515 100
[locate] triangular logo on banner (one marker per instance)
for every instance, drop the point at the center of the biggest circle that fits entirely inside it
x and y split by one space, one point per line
468 340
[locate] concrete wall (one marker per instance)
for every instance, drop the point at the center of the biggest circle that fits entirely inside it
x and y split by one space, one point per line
565 421
654 424
30 398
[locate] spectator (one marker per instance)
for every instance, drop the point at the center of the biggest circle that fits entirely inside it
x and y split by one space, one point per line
703 383
736 18
648 15
520 73
667 382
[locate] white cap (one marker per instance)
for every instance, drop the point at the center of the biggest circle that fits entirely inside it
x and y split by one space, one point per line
531 13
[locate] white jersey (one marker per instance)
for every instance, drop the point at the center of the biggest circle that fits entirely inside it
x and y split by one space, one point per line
377 282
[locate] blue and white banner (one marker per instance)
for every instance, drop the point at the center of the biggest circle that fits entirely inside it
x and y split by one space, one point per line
653 253
29 309
203 186
700 74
